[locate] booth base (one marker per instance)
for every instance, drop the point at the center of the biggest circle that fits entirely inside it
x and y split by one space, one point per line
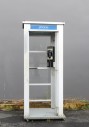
44 113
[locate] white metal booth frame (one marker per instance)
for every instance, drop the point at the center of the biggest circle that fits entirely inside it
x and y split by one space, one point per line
56 110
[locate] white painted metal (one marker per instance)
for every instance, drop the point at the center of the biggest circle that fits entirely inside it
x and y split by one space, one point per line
41 30
26 72
40 84
52 78
56 110
44 113
40 100
59 70
37 51
52 88
38 22
43 68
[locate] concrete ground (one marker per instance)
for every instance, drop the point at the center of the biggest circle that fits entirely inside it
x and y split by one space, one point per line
73 119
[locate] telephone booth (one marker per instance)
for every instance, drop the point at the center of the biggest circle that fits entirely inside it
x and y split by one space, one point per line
54 63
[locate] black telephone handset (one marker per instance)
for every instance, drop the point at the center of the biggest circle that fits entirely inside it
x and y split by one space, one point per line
50 56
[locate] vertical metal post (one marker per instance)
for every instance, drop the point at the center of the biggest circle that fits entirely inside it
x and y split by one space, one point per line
52 76
59 70
52 88
26 71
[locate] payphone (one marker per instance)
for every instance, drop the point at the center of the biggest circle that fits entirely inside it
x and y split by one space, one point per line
50 56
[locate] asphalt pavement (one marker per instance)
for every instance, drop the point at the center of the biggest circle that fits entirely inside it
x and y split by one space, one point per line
73 119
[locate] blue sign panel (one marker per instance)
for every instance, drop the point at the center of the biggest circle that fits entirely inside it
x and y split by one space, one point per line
43 27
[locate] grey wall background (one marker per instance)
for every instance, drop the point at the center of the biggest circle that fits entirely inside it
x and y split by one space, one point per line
76 43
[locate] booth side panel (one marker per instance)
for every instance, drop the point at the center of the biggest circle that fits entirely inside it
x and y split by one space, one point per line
59 70
26 71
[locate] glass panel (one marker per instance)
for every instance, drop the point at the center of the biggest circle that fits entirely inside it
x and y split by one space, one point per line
41 92
39 76
39 42
38 60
